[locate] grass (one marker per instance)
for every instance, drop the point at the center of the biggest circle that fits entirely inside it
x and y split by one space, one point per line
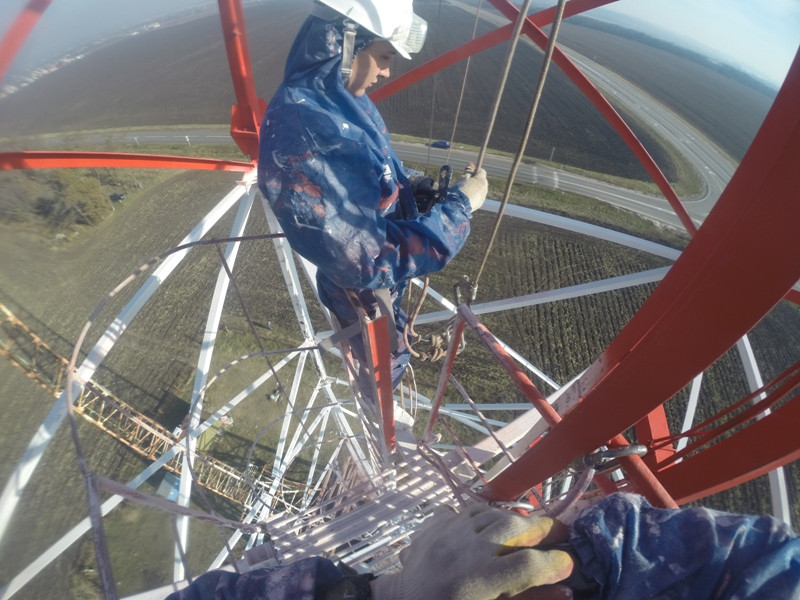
54 284
155 376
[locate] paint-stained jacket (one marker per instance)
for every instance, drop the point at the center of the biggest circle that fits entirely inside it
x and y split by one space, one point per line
336 185
637 552
630 550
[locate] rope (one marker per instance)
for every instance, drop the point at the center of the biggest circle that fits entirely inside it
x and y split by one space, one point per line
463 84
551 42
523 13
437 341
433 95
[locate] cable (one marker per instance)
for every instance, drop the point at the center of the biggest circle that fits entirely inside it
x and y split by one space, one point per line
551 42
463 83
523 13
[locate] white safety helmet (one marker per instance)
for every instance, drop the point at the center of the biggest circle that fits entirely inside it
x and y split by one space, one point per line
391 20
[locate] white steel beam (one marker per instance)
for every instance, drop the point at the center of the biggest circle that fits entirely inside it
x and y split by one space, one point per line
74 534
777 478
41 440
202 373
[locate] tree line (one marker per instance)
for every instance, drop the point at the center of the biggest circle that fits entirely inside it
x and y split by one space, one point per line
58 199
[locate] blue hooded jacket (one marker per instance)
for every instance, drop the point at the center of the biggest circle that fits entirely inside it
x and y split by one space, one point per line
336 185
629 549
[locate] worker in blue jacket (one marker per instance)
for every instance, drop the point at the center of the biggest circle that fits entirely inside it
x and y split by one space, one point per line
328 170
620 548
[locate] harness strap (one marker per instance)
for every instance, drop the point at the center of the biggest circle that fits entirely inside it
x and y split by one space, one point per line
385 308
348 48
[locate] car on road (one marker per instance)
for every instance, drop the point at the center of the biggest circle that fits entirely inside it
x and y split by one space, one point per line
440 144
117 197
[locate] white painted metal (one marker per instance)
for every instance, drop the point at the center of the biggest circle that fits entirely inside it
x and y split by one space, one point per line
30 459
398 492
779 494
451 310
202 373
691 410
566 293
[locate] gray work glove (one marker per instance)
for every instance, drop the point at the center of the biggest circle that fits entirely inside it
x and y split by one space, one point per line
475 187
481 554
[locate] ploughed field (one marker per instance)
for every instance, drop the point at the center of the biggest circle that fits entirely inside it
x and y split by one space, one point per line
179 76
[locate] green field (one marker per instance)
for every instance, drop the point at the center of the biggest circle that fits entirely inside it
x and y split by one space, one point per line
152 369
53 282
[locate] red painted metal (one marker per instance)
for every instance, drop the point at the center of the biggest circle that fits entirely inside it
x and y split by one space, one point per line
444 376
638 473
768 443
654 427
749 228
18 32
744 412
45 159
249 109
378 347
691 317
532 30
441 62
522 381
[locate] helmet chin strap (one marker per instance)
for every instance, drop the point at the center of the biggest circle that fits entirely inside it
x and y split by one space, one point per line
348 48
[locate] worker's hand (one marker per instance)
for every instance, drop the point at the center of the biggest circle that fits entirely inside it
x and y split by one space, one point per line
474 185
482 554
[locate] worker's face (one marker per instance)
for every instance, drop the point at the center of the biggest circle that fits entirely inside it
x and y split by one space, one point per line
369 65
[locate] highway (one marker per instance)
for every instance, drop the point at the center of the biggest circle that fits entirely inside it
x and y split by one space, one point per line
713 165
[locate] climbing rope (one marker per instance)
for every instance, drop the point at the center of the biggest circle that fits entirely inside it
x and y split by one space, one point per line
528 126
512 47
465 289
463 84
437 342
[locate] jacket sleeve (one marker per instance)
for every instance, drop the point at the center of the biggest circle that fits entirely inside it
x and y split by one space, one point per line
301 580
335 198
634 551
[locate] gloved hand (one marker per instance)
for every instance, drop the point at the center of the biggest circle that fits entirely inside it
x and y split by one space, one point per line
480 555
474 185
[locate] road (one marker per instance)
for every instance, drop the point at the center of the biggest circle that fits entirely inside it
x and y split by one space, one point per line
714 166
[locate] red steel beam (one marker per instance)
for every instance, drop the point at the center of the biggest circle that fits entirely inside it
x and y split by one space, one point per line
748 243
533 31
476 46
378 347
612 116
45 159
249 109
638 473
768 443
18 32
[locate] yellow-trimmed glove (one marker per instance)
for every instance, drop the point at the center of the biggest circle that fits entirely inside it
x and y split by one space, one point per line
482 554
475 186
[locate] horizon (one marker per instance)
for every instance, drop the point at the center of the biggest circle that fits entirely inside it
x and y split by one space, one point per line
759 40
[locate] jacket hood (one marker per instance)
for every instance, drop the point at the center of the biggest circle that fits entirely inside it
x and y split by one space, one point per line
317 51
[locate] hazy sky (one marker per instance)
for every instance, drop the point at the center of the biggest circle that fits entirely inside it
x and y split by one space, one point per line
762 36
